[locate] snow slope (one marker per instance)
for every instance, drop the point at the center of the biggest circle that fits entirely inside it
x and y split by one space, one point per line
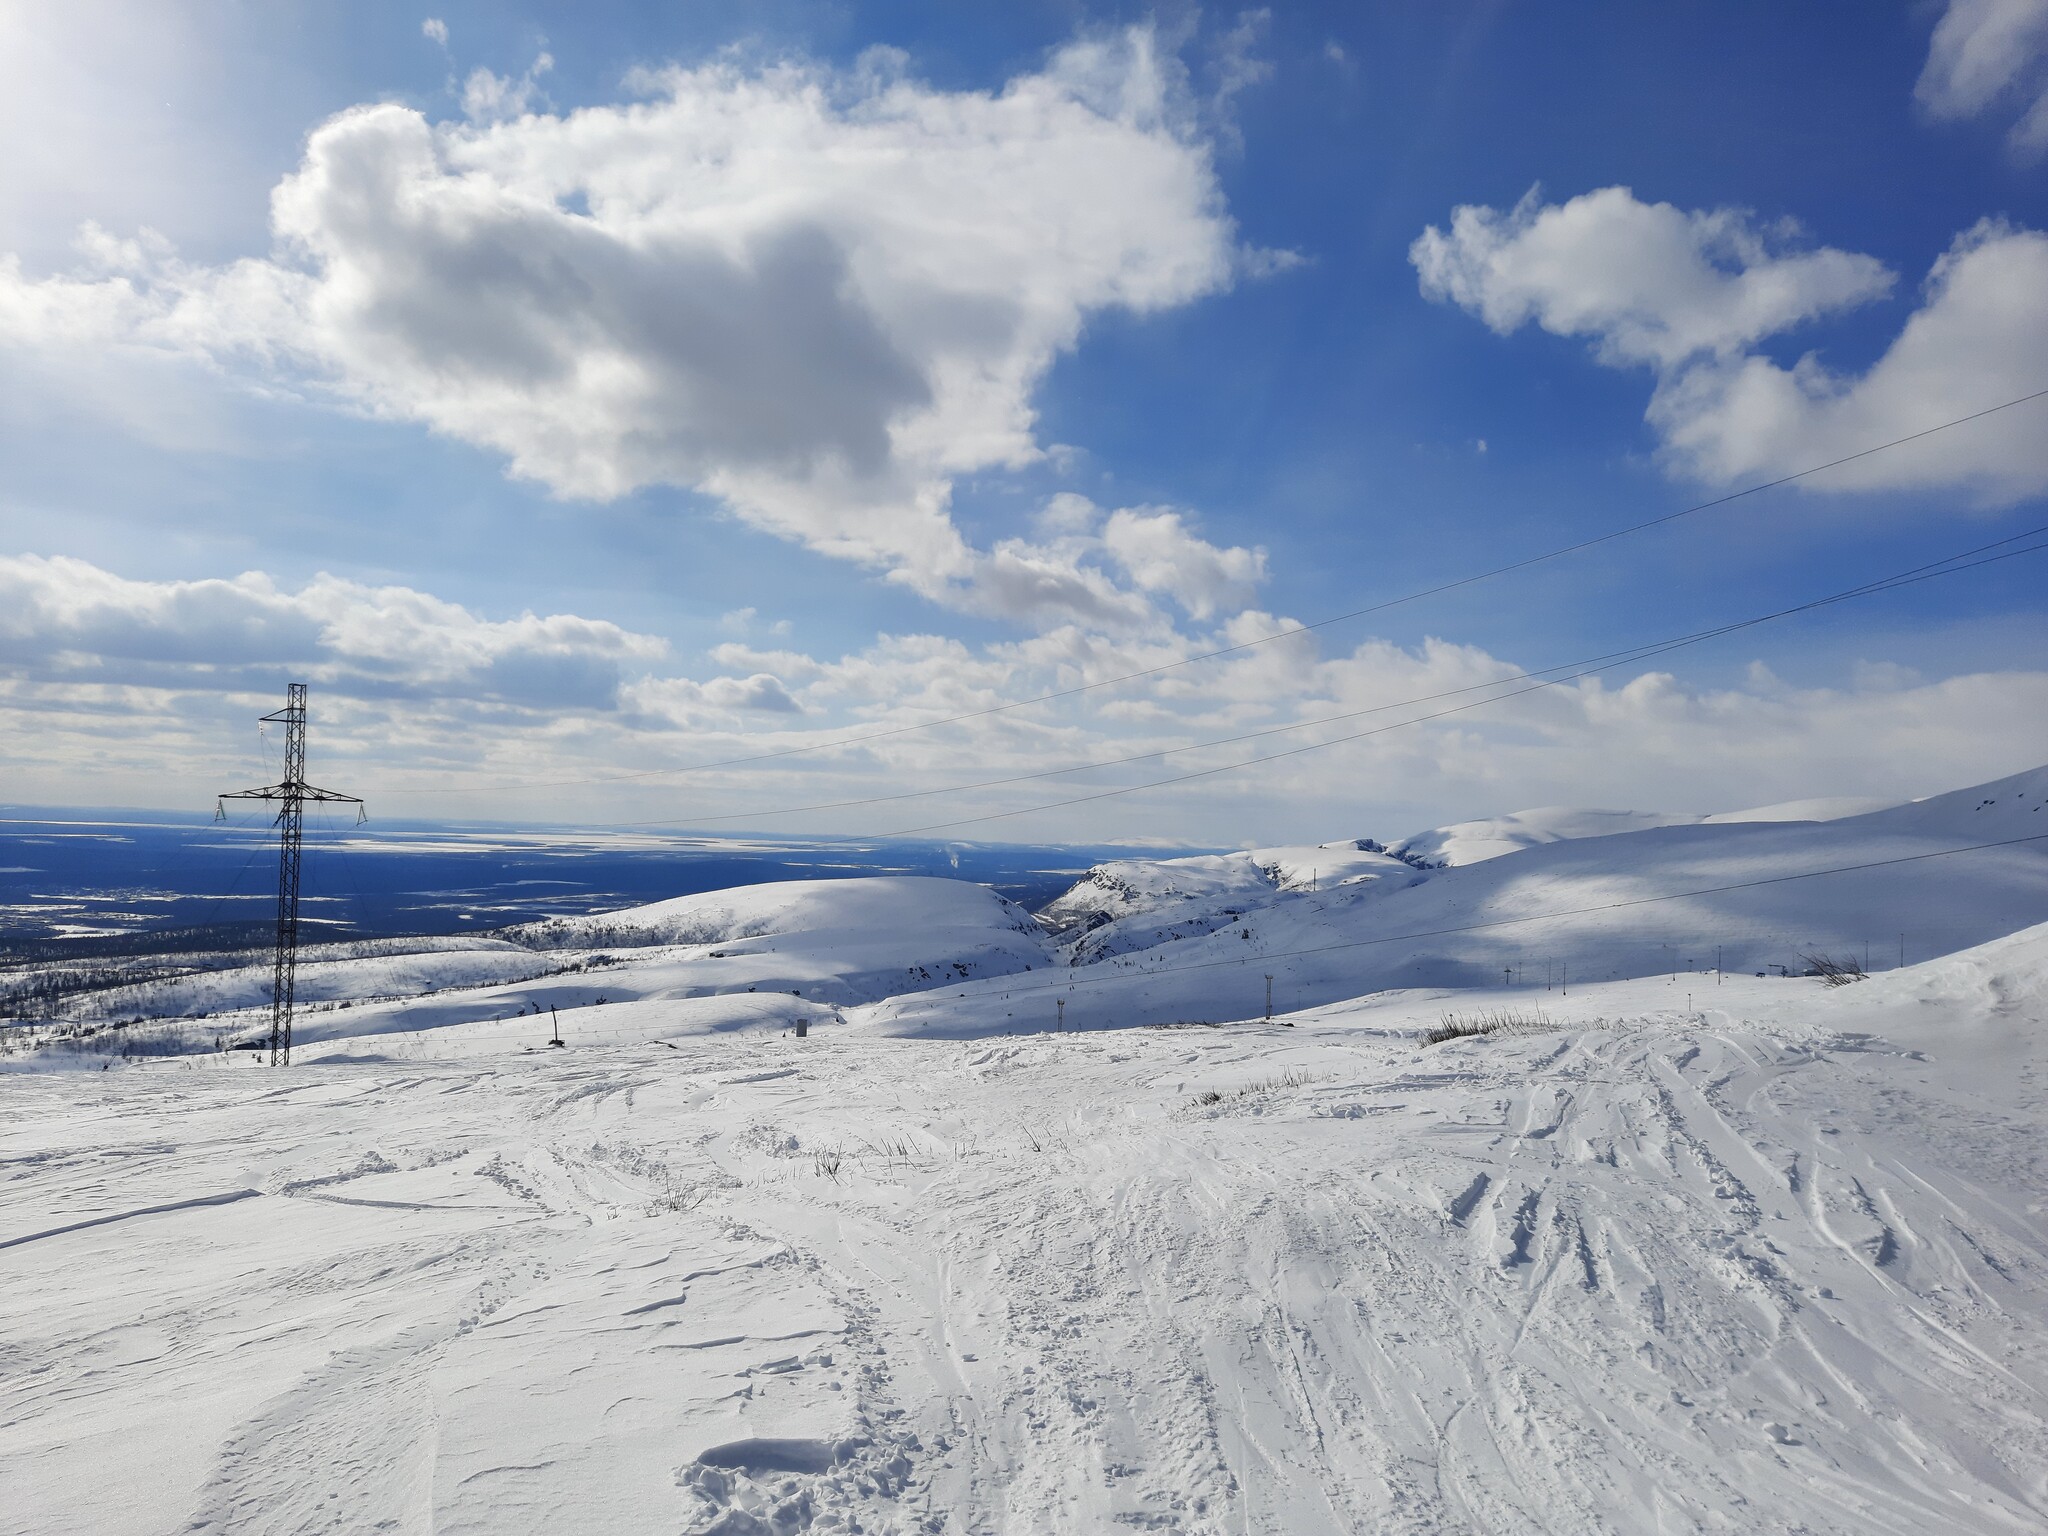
829 942
876 907
1133 904
1583 909
1774 1262
1470 842
832 942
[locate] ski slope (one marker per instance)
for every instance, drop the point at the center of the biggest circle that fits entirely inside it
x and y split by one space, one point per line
1676 1251
1775 1264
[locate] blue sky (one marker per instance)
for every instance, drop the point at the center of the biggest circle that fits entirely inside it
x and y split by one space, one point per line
575 391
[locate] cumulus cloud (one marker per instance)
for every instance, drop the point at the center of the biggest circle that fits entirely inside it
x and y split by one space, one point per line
67 620
1648 282
1099 569
818 296
1692 296
1987 54
1976 340
686 701
1155 547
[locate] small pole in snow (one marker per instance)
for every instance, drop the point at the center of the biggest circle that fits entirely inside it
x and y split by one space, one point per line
557 1038
1061 1004
1505 973
1269 999
1566 989
1717 965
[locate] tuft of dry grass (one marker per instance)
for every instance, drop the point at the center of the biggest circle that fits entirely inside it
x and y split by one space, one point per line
1833 972
1292 1079
1492 1021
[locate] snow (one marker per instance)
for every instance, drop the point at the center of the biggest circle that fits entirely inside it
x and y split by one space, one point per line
1469 842
1821 808
1135 904
1674 1251
1589 909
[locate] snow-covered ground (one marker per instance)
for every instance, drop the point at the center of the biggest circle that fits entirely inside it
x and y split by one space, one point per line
1674 1251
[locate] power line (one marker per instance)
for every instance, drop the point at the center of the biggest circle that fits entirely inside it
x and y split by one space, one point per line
1948 565
1509 922
1246 645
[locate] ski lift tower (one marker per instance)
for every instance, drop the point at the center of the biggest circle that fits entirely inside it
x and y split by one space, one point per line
291 795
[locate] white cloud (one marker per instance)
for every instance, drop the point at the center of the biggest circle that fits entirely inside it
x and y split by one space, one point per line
1051 584
1979 338
1154 546
817 296
1071 574
114 691
1649 283
1691 296
493 98
742 621
435 30
1068 512
683 701
1988 53
1236 68
65 620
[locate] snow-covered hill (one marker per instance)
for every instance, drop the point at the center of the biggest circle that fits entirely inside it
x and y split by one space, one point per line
1469 842
827 942
1134 904
1663 900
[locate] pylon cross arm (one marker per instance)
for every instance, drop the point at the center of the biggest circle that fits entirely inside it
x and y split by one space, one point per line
303 791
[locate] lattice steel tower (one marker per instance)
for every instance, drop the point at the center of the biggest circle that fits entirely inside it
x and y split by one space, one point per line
291 795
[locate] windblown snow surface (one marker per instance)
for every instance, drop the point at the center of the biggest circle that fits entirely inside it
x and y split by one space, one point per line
1674 1252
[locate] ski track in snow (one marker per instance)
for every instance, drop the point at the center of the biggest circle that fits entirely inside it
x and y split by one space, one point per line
1673 1277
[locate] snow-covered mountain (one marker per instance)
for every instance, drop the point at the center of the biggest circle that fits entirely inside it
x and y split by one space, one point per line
1660 900
1133 904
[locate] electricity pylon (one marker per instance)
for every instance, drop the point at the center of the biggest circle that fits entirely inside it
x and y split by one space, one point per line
291 794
